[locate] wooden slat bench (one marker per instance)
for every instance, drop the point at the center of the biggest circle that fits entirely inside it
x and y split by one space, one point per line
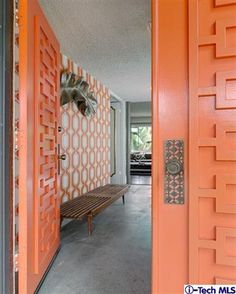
92 203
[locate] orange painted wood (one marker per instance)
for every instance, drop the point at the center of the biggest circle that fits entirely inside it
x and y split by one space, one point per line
194 97
212 129
170 121
39 216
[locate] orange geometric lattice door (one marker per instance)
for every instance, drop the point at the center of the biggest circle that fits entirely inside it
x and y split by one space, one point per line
212 84
39 71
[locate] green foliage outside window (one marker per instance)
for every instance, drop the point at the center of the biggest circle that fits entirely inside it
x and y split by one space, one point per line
141 136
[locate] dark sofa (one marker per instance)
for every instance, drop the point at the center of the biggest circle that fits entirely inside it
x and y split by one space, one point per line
141 164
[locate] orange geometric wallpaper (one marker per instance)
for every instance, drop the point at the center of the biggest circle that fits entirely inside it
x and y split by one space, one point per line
85 141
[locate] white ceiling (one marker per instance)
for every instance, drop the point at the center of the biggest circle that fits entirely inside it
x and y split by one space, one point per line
108 38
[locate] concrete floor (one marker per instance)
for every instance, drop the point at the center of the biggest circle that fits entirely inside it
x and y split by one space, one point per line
141 180
115 259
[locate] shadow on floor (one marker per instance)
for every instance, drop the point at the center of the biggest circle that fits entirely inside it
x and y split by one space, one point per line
115 259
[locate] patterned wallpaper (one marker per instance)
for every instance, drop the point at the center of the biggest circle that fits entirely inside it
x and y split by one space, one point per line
85 141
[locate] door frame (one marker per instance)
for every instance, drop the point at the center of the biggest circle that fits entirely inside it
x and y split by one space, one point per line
7 132
119 106
6 135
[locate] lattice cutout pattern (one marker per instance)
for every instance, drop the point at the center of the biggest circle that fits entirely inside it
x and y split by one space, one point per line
213 142
46 141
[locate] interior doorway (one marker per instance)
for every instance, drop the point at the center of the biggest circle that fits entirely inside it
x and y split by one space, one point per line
66 138
193 91
118 140
141 156
140 149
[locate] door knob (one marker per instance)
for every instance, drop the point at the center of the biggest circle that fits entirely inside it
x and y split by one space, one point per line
62 157
174 167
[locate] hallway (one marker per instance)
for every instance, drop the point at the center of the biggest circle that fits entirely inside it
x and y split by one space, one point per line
116 256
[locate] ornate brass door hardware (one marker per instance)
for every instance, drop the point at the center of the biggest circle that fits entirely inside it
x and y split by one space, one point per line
174 171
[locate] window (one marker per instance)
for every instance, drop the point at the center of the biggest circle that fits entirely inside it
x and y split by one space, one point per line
141 136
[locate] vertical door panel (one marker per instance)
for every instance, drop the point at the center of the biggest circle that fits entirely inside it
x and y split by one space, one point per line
170 121
212 64
39 116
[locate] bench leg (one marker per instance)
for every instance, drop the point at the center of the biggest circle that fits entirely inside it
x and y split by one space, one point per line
90 224
123 199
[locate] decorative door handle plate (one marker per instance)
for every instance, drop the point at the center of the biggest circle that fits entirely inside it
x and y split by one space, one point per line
174 171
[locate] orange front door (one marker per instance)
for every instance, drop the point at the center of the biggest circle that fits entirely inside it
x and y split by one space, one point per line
212 166
194 99
39 69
